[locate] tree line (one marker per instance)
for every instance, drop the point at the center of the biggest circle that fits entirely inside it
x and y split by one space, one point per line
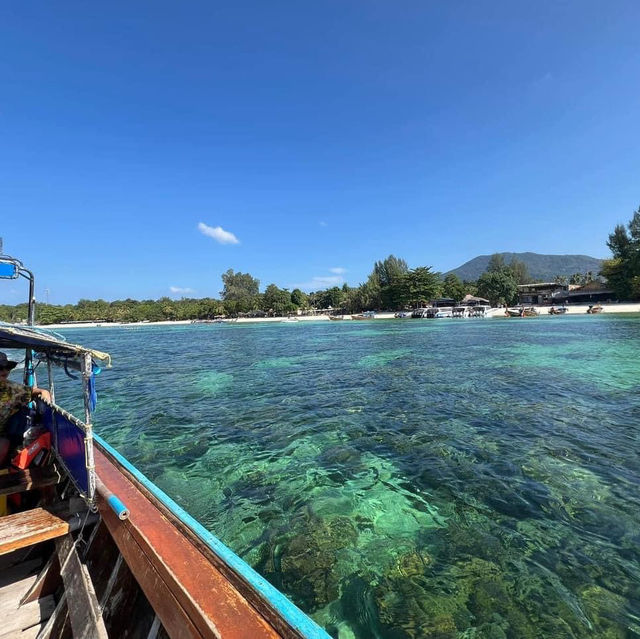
391 285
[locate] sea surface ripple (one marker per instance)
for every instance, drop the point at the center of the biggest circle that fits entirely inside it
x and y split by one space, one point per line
401 479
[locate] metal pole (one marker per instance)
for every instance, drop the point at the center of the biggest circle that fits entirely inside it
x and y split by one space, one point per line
29 378
52 390
87 371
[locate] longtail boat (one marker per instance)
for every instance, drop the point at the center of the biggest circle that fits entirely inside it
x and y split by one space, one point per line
91 548
522 311
593 309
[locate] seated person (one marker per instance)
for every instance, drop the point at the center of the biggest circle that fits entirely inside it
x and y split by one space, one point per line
13 397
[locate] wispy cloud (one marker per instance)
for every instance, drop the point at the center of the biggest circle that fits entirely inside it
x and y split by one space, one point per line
180 290
338 270
218 234
319 282
322 223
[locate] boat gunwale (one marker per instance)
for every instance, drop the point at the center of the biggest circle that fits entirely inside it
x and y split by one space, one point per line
273 605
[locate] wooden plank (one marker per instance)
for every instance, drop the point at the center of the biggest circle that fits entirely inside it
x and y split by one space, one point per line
100 557
29 528
19 571
47 581
52 629
20 481
86 620
149 540
29 633
27 616
13 593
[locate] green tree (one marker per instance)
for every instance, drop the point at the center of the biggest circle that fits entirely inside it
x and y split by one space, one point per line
453 287
298 298
386 277
422 285
499 287
333 297
277 301
240 293
619 278
519 271
496 263
390 269
623 268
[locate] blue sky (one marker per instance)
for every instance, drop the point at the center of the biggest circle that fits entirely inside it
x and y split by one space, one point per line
322 136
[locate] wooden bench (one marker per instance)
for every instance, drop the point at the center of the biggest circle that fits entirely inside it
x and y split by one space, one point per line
22 480
28 528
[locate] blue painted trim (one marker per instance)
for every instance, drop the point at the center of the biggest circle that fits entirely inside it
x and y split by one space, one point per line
287 610
118 507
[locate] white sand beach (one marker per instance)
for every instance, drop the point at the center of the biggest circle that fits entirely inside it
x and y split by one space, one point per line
578 309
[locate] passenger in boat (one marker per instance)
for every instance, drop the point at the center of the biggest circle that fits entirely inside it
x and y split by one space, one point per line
13 397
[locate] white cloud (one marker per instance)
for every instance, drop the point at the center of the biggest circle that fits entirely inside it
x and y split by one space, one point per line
320 282
218 234
338 270
178 289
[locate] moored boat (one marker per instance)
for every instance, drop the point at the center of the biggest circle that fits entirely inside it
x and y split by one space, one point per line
367 315
595 308
522 311
558 310
91 547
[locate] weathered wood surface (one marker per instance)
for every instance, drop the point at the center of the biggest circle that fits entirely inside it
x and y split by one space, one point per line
125 609
58 625
86 620
18 482
190 595
12 594
15 618
19 571
28 528
47 581
29 633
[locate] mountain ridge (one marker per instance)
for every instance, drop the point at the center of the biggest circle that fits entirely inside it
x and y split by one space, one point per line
540 266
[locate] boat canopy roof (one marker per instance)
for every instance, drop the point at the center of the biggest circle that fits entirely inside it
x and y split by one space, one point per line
48 345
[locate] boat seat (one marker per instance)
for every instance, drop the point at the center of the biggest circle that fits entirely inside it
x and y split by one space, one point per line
28 528
22 480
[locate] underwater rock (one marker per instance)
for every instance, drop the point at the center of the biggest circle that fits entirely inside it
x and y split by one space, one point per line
306 562
606 610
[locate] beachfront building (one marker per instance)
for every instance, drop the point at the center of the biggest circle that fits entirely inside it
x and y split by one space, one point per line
472 300
540 293
589 293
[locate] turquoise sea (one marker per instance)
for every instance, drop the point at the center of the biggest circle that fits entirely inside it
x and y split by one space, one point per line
404 478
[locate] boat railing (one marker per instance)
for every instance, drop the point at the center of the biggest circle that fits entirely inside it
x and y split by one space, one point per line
72 446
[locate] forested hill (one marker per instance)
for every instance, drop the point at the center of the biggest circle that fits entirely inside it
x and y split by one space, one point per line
540 267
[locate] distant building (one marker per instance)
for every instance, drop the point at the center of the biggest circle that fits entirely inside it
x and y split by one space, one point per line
591 292
472 300
546 293
443 302
540 293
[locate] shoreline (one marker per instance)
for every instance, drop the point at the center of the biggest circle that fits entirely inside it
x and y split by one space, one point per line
578 309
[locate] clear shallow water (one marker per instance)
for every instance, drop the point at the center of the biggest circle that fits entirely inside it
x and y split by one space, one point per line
402 479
